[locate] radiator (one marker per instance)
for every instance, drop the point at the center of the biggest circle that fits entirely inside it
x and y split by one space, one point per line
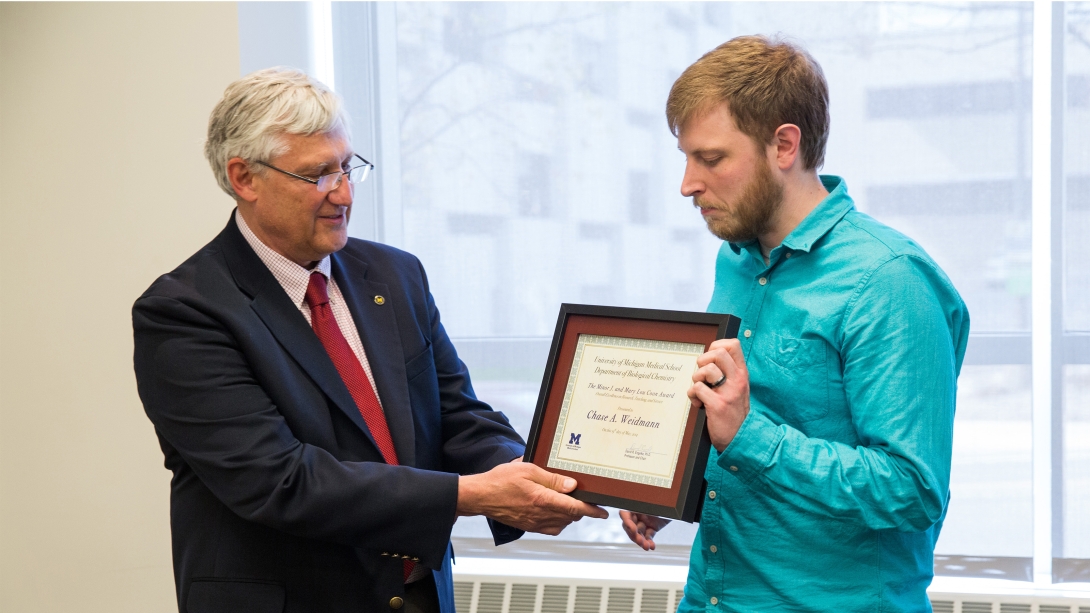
510 586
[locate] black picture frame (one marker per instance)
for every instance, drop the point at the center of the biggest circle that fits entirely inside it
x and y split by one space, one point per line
684 498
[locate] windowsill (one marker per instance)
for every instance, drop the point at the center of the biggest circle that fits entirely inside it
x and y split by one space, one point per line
555 550
567 569
1004 587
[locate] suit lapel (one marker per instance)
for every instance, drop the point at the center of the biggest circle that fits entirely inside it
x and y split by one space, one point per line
377 326
287 324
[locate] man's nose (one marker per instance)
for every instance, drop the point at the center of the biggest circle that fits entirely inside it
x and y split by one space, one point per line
691 185
342 194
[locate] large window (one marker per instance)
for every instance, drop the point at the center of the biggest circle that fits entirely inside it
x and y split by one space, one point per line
522 153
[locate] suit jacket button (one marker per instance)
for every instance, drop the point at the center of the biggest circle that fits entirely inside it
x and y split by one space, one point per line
396 602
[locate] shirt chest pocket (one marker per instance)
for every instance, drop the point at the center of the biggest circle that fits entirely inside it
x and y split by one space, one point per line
797 384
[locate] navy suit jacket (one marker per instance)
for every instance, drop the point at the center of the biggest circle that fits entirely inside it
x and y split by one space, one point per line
280 500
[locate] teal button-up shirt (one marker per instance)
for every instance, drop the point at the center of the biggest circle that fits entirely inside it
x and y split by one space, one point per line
833 492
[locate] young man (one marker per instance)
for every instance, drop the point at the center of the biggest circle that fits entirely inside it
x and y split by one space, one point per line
322 432
832 413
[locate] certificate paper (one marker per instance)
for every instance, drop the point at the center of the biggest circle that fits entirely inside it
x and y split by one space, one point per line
625 408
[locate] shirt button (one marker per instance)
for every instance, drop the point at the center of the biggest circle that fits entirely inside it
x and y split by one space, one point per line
733 469
714 548
787 255
763 281
748 333
711 494
715 600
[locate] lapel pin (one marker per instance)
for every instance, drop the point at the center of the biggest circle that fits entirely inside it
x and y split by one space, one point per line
380 300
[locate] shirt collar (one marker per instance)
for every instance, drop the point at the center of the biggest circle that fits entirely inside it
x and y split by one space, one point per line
817 224
291 276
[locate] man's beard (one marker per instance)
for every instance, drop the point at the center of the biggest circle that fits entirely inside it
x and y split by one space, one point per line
751 214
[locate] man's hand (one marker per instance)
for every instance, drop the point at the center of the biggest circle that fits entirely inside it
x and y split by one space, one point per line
727 403
524 496
642 528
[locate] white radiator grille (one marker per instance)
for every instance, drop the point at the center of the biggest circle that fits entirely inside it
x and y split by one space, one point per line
492 594
587 599
488 595
523 598
655 601
490 598
621 600
463 596
556 599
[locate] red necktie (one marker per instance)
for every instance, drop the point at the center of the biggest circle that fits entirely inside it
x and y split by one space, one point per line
325 326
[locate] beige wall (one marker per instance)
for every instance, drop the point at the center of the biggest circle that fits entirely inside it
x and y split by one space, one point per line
102 188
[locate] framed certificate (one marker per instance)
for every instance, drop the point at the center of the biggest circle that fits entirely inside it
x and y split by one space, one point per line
614 412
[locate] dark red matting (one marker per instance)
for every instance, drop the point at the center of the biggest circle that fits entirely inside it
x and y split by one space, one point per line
677 332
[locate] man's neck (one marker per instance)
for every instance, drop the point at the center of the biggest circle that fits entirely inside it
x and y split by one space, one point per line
801 195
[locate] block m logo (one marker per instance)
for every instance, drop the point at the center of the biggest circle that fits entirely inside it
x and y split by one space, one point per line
574 440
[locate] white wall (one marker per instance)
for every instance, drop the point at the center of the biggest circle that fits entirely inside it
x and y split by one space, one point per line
103 187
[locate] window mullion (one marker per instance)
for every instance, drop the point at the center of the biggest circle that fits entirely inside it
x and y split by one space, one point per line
1041 300
390 220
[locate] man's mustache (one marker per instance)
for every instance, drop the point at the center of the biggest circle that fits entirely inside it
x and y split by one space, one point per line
704 204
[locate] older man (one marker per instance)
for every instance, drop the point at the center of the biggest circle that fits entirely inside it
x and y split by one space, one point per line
322 432
832 415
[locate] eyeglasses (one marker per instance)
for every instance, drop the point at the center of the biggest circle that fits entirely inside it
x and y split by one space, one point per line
331 181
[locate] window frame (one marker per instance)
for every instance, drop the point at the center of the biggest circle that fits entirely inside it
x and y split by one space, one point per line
364 70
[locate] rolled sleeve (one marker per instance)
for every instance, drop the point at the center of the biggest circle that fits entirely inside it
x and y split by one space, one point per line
753 447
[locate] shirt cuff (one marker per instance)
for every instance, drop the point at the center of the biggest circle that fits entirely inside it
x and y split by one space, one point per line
752 449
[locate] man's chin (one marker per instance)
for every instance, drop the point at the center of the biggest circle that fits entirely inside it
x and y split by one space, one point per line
726 233
339 244
333 242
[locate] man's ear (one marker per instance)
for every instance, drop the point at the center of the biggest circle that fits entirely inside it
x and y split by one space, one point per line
242 179
786 140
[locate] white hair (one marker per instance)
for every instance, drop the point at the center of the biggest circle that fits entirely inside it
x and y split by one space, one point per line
258 109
